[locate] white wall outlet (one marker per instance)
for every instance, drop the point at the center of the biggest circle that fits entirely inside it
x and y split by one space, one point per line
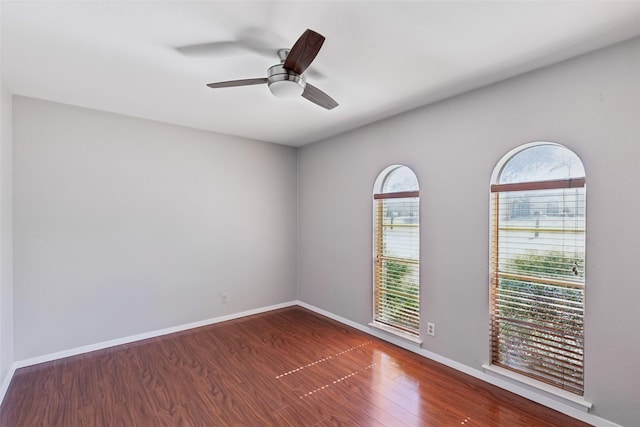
224 297
431 329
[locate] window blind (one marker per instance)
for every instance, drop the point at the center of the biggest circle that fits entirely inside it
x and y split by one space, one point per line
537 280
397 267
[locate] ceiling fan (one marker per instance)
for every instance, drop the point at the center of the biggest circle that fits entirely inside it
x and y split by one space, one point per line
287 79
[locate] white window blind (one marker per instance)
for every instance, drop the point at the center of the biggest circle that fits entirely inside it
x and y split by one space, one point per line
537 280
397 266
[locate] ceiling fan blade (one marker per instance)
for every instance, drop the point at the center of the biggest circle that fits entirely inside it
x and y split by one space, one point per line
255 40
318 97
243 82
209 49
303 52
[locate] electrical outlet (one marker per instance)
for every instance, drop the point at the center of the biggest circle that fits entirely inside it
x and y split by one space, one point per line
224 297
431 329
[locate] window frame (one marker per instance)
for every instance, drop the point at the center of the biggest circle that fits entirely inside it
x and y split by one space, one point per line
380 196
575 382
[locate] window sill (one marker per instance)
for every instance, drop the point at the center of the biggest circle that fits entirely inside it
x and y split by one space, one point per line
408 337
573 400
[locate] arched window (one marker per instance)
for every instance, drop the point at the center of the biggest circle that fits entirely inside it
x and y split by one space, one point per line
396 294
537 265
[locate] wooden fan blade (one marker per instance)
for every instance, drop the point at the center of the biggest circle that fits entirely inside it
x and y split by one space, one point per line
233 83
303 52
318 97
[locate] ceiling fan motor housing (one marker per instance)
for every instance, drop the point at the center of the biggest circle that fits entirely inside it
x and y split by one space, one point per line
284 83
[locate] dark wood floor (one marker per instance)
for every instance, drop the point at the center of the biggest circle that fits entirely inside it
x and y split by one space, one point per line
288 367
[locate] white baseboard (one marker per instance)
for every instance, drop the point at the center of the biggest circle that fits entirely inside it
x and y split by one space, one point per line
514 388
133 338
521 391
6 381
127 340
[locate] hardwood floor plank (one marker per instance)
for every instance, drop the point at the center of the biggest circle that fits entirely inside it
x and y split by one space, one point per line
288 367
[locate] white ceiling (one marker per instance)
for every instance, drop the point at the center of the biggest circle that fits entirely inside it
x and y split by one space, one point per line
380 58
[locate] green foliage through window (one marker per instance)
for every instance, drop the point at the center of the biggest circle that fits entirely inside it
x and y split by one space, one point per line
399 295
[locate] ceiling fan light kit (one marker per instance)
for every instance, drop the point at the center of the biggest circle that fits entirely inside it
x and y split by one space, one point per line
285 84
287 79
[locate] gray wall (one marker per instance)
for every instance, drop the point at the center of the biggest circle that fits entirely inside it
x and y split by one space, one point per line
591 104
6 260
125 226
